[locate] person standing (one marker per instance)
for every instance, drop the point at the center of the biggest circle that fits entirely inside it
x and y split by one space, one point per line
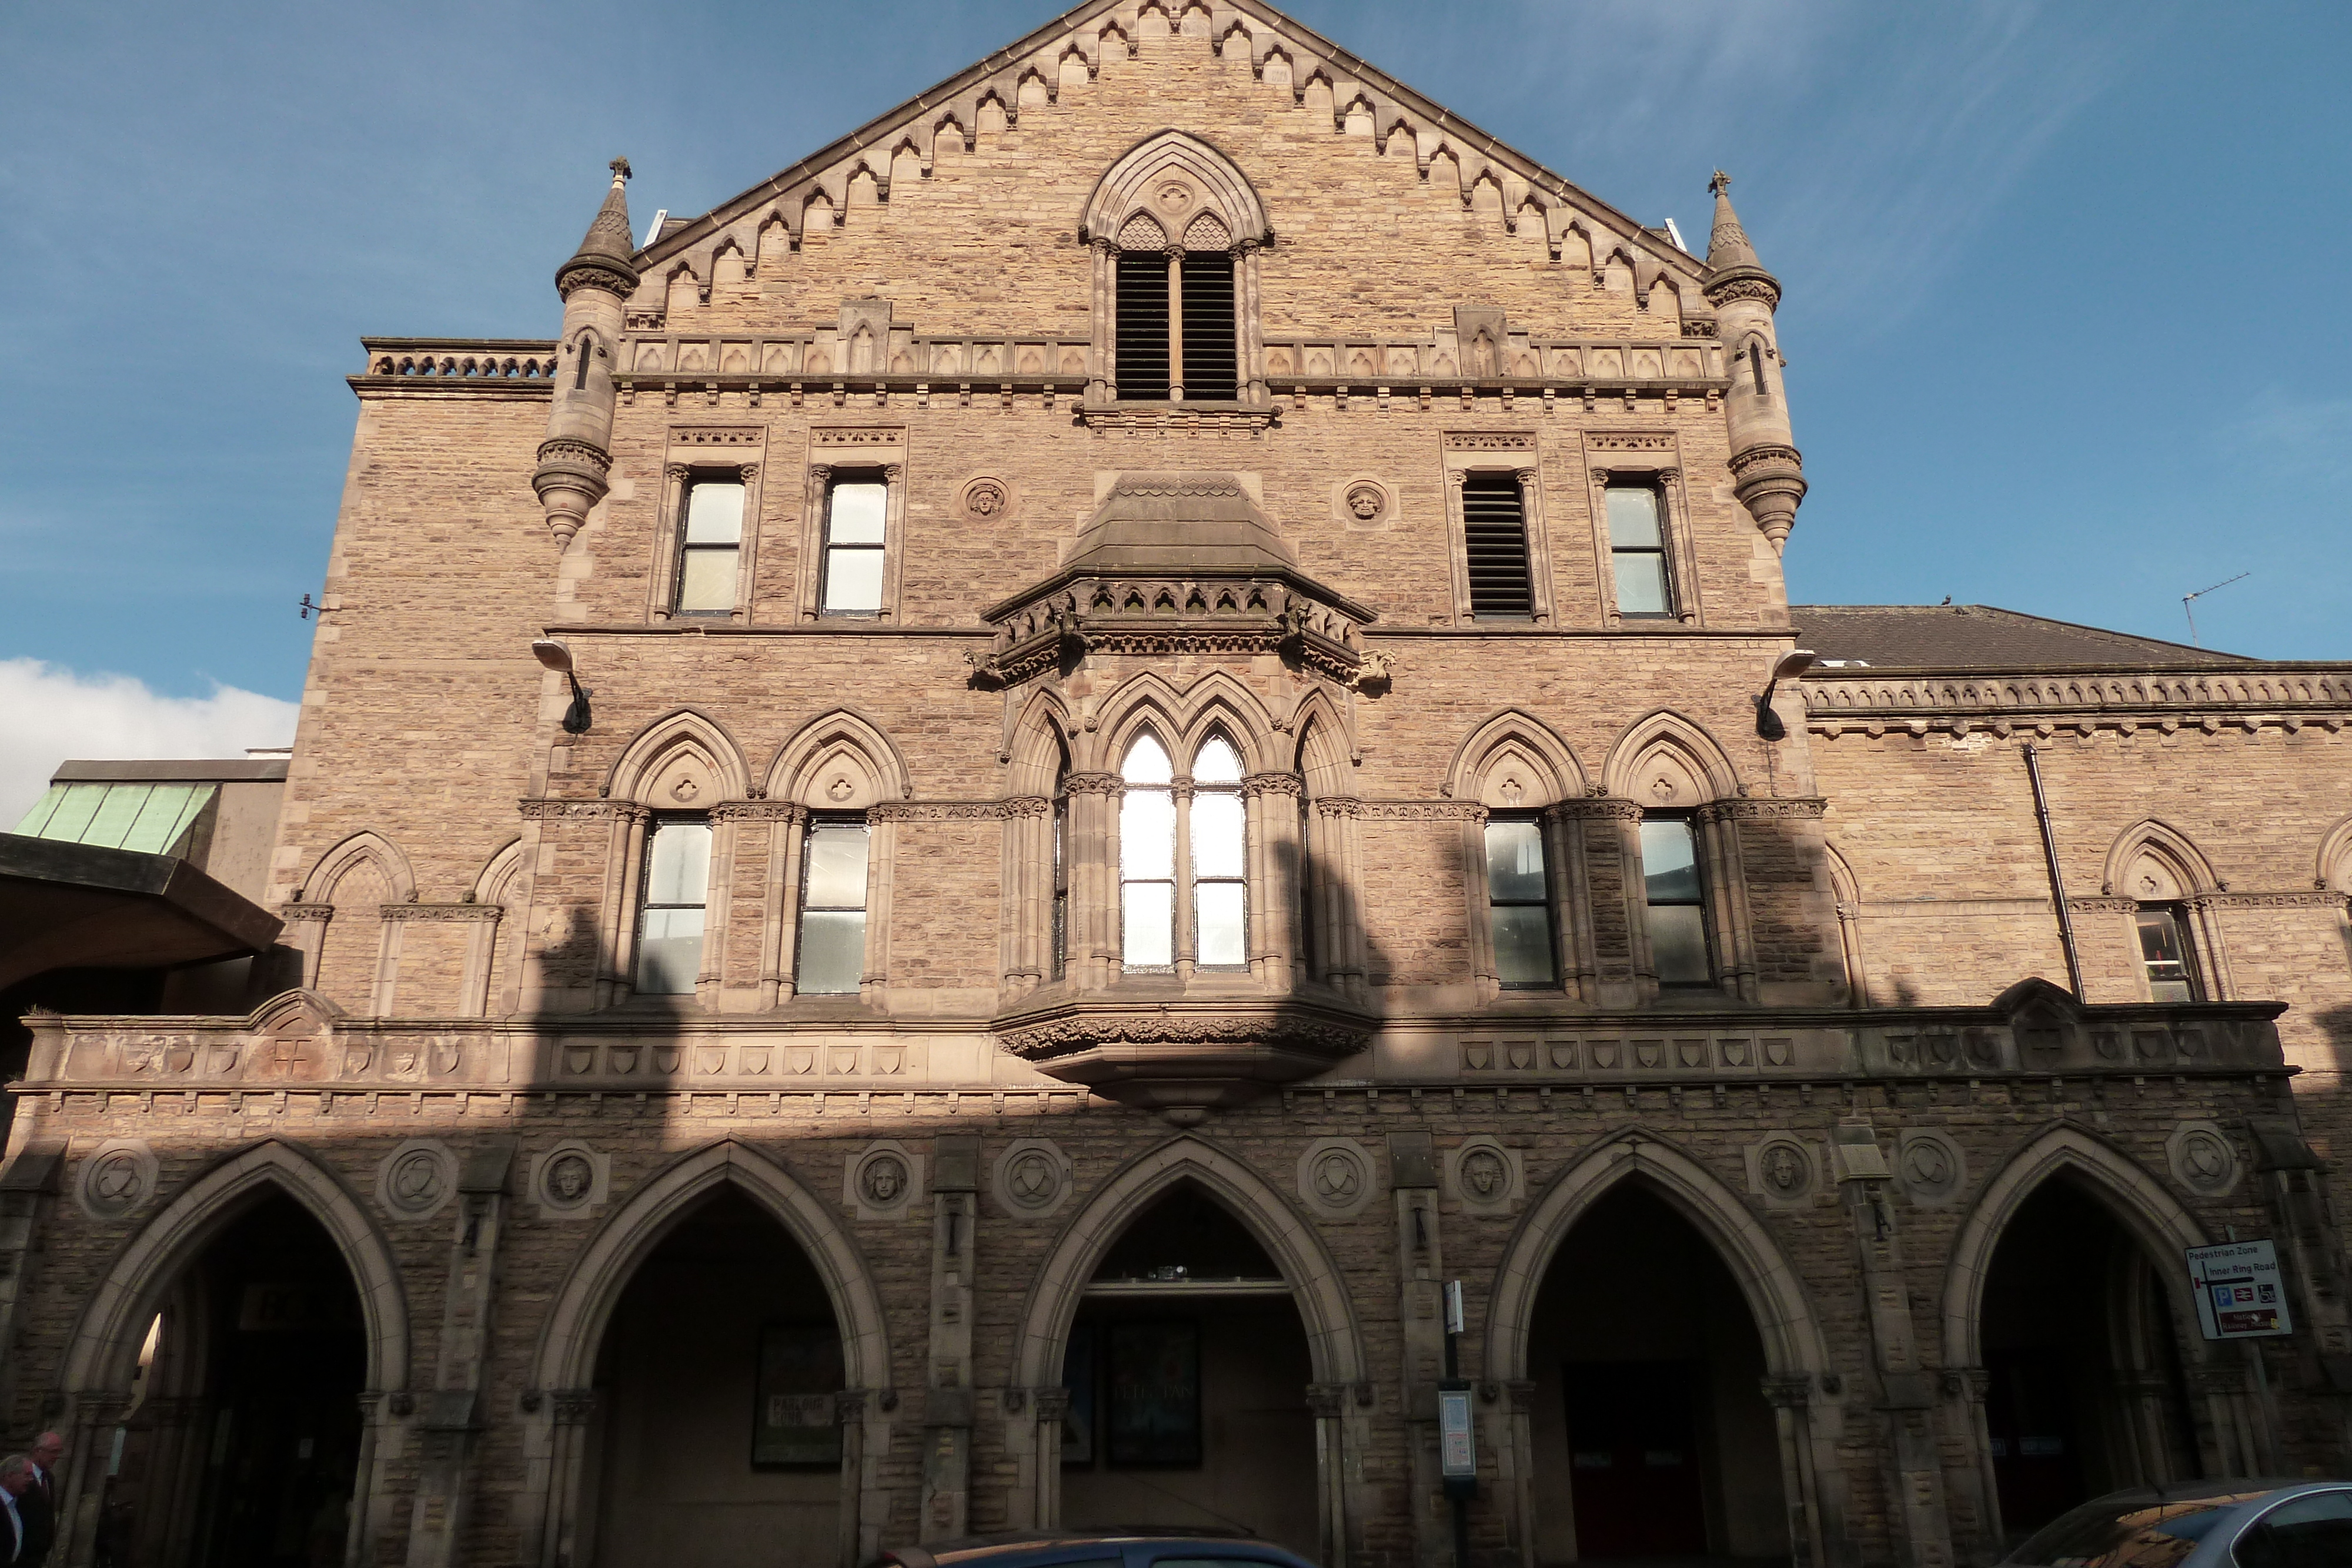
16 1480
39 1502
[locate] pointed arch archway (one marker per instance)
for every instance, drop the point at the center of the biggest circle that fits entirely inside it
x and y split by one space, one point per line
565 1365
101 1358
1321 1293
2140 1313
349 949
1794 1345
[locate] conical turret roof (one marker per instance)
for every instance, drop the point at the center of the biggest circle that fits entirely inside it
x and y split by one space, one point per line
605 253
1728 253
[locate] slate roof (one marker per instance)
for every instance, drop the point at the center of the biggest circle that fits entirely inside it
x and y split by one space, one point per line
1979 637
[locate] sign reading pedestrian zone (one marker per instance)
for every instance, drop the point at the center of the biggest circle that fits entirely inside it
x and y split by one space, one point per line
2240 1295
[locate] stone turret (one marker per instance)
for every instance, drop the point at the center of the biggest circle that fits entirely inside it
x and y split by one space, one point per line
1767 475
595 285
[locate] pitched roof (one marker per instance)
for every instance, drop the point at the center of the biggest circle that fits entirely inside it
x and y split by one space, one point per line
1979 637
1082 30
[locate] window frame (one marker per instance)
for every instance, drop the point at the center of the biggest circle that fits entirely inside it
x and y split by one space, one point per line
1700 900
1548 902
818 822
1240 257
1469 451
852 454
1185 879
2176 913
1663 552
648 905
686 549
828 550
666 571
1654 466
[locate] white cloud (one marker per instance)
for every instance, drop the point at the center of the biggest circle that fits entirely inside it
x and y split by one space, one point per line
49 714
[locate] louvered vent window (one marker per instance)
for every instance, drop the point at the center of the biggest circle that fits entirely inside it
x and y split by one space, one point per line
1494 537
1143 325
1209 357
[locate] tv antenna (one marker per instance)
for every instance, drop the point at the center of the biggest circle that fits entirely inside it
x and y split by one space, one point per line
2186 609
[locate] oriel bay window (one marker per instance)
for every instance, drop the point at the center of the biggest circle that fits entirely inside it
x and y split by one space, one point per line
832 907
1675 898
672 905
1518 904
1184 858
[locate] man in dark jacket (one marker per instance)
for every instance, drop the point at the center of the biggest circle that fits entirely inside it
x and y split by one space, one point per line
39 1502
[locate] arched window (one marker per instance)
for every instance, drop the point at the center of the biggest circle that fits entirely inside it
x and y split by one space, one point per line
1177 228
1184 858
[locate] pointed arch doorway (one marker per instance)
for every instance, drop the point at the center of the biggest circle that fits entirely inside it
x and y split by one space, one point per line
1259 1322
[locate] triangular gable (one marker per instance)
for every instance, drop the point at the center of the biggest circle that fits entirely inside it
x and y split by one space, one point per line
1080 36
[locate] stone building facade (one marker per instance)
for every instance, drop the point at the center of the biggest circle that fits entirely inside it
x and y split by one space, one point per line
1153 734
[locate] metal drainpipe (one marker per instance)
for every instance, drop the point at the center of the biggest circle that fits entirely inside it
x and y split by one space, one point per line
2057 881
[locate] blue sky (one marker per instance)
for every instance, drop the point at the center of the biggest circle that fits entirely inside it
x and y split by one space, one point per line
2065 281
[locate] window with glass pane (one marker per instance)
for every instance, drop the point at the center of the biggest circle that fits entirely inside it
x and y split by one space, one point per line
1518 902
1637 549
833 908
1059 938
1678 911
1147 858
1220 903
710 546
2164 950
669 924
854 512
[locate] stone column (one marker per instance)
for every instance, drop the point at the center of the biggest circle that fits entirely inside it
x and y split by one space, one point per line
1421 1318
1277 894
1250 329
451 1422
948 1403
1104 323
1093 849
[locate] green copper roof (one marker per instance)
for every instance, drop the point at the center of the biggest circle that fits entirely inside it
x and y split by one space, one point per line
153 819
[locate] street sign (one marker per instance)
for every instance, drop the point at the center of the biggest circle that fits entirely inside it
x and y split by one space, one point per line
2239 1292
1457 1456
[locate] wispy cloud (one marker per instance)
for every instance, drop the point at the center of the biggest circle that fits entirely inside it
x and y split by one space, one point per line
49 714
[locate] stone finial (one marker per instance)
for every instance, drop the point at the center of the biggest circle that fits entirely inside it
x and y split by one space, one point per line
604 259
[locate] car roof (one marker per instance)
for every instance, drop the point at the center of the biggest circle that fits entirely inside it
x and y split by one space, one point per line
1074 1545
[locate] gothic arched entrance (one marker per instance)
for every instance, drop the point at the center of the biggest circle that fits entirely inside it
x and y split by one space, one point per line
242 1441
1648 1412
1188 1367
2085 1391
716 1435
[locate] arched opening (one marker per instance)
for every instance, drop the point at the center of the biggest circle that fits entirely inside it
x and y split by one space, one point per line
1650 1419
2084 1392
716 1439
1188 1367
242 1442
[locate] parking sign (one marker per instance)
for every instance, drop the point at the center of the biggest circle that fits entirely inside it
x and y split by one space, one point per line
2239 1292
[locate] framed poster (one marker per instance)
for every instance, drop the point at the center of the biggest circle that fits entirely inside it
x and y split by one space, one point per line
792 1411
1079 1375
1155 1395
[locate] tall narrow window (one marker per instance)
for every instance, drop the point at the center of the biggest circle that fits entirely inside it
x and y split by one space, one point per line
854 510
1637 550
669 924
1756 369
1494 538
1058 937
1147 858
710 545
1211 356
1143 324
2165 952
1677 909
1518 902
833 908
1220 897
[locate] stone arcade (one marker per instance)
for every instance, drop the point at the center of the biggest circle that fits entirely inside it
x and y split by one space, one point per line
1151 745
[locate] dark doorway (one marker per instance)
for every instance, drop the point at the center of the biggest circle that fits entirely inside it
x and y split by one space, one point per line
2084 1388
1653 1441
1188 1368
277 1434
1633 1462
717 1378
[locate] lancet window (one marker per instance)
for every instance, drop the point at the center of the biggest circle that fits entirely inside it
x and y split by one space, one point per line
1184 858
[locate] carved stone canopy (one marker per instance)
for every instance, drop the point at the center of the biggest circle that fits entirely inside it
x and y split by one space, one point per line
1174 561
1168 1044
